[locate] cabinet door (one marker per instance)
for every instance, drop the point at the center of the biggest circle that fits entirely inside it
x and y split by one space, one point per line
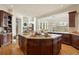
33 47
0 19
23 40
22 44
56 46
67 39
72 19
5 20
75 41
9 38
1 37
0 40
46 46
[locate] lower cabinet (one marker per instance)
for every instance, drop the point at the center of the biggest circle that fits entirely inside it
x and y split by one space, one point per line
5 39
33 47
9 38
71 39
22 45
67 39
39 46
1 37
75 41
56 46
46 47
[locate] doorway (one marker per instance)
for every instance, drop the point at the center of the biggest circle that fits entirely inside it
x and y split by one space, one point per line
18 31
18 26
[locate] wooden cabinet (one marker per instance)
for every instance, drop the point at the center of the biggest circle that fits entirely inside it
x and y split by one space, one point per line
46 47
22 44
39 46
1 37
72 16
9 38
6 21
6 24
4 40
33 47
67 39
56 46
20 41
1 19
75 41
71 39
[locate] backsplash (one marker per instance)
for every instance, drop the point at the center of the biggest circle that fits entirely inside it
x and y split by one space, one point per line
1 29
72 29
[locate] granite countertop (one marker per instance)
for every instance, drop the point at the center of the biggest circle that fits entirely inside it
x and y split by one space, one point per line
51 36
6 33
74 33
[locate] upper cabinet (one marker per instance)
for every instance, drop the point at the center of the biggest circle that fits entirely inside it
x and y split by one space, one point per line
72 16
6 20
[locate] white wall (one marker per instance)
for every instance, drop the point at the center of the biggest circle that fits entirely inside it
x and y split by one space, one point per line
55 20
77 18
78 23
3 8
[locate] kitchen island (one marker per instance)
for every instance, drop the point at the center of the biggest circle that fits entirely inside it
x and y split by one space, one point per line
40 45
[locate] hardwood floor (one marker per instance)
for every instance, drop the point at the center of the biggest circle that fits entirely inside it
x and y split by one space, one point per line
10 50
13 49
68 50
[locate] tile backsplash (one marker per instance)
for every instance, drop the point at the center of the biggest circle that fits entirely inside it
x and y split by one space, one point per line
72 29
1 29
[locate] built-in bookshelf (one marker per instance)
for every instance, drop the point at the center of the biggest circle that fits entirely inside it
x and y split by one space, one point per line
9 24
6 25
6 20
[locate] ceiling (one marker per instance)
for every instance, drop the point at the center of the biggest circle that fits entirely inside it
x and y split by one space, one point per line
36 9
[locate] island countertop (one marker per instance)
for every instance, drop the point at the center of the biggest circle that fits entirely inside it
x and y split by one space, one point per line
73 33
51 36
